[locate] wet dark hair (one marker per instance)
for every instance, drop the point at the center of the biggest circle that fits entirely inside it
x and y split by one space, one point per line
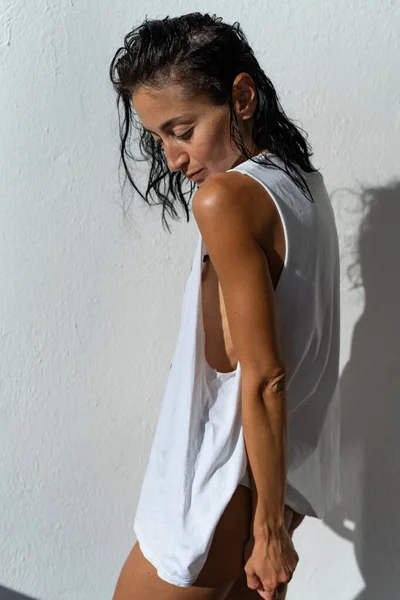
204 55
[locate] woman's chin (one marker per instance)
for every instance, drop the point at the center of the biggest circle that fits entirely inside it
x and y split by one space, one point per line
200 181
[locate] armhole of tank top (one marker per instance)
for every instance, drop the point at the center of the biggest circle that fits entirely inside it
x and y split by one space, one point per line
279 209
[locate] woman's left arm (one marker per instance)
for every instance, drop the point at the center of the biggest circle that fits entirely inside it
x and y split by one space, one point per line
225 223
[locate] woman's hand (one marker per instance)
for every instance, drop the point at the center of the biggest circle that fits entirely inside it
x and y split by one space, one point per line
269 564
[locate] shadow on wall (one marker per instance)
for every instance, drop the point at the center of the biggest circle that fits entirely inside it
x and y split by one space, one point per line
7 594
370 404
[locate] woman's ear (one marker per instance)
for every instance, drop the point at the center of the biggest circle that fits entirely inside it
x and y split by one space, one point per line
244 96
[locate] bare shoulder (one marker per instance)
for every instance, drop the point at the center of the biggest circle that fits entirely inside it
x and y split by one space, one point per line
237 197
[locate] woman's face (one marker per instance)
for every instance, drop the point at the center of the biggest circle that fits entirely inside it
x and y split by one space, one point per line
194 133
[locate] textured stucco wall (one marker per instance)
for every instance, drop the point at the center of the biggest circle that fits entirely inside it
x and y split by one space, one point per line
90 304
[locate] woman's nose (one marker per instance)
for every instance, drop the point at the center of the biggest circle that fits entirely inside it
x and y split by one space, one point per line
175 159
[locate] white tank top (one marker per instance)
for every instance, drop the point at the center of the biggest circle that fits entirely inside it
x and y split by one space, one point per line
198 456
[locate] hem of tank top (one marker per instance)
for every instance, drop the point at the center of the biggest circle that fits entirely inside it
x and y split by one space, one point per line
301 507
155 561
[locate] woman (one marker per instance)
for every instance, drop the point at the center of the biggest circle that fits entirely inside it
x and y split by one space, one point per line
247 439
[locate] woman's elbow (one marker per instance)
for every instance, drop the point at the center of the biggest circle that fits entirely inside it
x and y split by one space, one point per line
270 380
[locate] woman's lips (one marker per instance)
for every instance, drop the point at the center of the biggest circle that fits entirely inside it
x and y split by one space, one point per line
196 175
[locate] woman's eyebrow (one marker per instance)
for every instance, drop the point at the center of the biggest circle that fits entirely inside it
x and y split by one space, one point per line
169 122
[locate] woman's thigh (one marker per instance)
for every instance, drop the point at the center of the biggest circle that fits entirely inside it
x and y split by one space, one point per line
138 579
224 566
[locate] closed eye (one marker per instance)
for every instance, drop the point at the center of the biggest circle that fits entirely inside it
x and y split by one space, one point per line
185 136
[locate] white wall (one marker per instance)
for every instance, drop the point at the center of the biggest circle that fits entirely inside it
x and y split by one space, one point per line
90 304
